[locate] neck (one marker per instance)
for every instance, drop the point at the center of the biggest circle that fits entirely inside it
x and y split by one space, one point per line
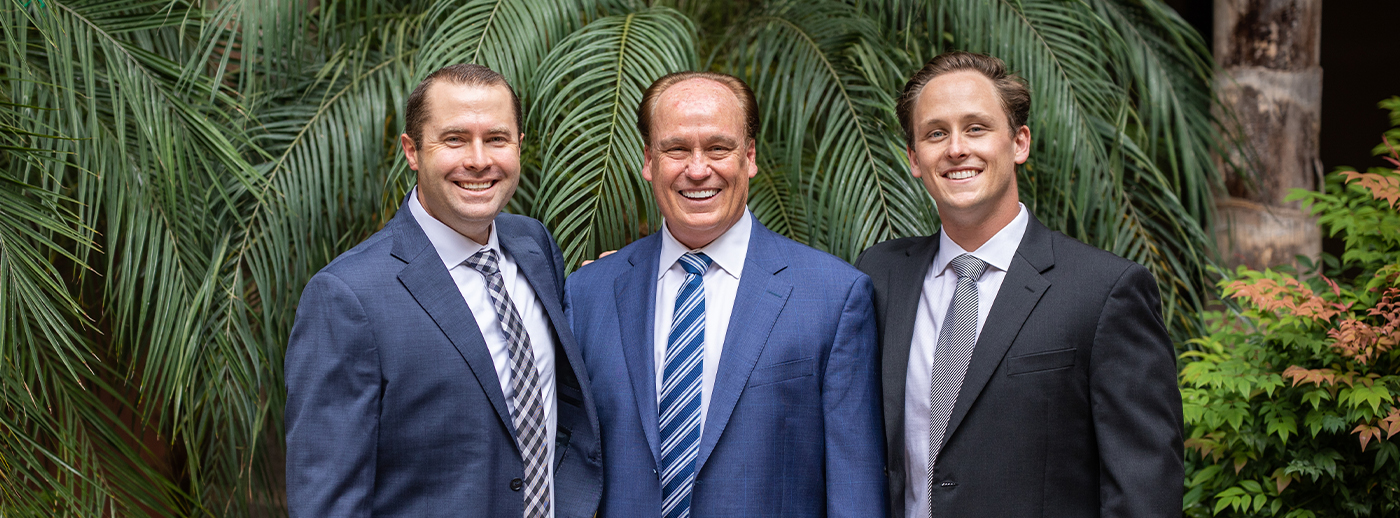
480 235
971 233
696 241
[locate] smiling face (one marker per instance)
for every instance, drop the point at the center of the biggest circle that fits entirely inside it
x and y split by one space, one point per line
966 152
468 162
699 160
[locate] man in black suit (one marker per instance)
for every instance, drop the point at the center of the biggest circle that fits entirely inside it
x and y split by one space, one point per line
1032 372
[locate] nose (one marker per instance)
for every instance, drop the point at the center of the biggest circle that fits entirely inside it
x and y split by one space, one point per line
698 167
475 158
957 146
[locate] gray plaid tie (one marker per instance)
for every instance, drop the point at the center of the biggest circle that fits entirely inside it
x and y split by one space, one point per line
956 340
527 407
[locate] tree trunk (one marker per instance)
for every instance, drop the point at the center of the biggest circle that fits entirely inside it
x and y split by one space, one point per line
1268 52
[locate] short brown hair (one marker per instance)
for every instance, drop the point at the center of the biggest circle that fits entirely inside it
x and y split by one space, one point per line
1011 89
741 90
470 74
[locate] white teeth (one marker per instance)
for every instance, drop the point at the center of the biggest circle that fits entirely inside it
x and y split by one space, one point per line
695 195
959 175
474 186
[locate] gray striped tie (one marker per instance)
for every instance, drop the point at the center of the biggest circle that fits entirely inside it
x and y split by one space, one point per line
956 340
527 407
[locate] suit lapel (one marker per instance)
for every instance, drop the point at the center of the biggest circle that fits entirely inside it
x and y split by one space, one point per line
1020 291
428 282
757 303
635 293
905 288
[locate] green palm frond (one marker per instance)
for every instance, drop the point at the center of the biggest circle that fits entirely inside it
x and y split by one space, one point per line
799 59
147 172
510 37
173 172
774 200
1105 127
592 192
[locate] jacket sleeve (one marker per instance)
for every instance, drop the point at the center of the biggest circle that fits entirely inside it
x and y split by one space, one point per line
332 413
1136 404
855 437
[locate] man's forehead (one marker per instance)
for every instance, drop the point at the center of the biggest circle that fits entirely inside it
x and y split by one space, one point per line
446 102
957 94
696 92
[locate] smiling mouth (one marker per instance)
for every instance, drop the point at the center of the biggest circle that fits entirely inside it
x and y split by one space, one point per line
476 186
961 174
700 195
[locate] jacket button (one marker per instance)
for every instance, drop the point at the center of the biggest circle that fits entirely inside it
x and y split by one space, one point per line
516 484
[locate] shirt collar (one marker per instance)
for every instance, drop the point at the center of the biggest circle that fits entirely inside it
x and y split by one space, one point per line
452 248
997 252
728 251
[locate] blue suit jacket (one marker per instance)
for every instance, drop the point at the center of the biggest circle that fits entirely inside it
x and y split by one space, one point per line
793 427
393 404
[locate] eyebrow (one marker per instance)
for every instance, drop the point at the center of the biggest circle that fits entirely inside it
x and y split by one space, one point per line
668 142
496 130
975 117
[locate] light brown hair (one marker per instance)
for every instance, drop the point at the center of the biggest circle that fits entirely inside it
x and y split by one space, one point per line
1011 89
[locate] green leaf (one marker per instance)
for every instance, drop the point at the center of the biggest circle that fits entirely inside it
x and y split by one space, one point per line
592 192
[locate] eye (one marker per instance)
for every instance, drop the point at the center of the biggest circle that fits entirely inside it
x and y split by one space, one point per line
977 129
937 134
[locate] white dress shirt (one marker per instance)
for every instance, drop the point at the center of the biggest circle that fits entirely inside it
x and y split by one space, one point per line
454 249
939 284
721 286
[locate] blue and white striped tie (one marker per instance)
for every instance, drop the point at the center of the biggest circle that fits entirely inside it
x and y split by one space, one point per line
680 390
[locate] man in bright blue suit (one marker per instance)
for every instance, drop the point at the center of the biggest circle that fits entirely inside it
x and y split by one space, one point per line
735 371
430 371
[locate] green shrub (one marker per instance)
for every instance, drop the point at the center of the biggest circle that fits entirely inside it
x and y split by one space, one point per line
1290 400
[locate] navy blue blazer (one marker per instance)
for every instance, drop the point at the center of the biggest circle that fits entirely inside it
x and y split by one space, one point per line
393 404
793 427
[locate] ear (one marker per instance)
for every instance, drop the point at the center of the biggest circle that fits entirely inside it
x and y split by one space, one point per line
410 151
913 162
646 162
750 154
1023 144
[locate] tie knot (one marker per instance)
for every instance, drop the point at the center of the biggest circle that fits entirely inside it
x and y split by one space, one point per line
695 263
967 266
484 261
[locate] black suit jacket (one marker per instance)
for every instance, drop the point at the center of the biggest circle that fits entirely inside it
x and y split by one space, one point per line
1070 405
393 403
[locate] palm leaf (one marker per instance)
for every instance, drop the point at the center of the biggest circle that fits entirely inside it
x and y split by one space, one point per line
592 193
800 60
1096 169
510 37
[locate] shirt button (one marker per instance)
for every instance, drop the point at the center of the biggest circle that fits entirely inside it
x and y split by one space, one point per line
516 484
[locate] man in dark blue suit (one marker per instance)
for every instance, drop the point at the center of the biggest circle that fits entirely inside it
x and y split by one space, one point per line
430 371
735 370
